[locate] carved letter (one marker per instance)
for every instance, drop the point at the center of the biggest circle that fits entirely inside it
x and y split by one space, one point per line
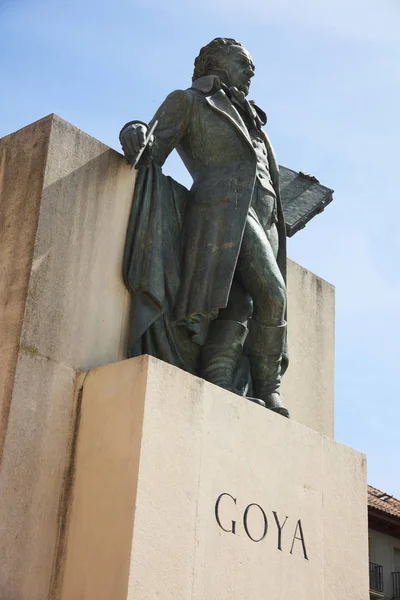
301 538
246 512
233 530
280 527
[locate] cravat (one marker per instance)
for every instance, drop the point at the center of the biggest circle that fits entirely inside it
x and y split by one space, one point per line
254 113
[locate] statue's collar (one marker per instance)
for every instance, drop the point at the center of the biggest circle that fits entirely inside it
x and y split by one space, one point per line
212 83
207 84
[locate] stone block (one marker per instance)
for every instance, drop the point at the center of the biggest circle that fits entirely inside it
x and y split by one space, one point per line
32 475
22 166
75 280
308 384
183 490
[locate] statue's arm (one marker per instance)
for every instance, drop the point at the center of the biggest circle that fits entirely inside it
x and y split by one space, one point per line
172 116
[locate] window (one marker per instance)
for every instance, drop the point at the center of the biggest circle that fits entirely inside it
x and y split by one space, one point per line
396 573
396 560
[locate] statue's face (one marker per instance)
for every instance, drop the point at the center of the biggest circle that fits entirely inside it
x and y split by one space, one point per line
239 68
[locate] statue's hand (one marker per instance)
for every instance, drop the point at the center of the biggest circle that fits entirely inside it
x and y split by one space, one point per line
133 139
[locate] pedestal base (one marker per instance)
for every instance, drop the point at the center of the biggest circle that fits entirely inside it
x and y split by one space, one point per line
181 490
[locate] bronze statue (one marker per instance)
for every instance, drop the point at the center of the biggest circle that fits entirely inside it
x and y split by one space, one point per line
207 266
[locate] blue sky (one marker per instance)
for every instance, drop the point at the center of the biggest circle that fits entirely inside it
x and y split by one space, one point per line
327 74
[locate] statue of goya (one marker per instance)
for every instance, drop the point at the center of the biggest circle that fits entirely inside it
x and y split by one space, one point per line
207 267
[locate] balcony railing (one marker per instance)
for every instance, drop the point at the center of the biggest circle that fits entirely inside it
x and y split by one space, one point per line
396 585
375 577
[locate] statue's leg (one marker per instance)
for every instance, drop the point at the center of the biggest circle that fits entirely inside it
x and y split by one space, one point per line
259 273
240 304
222 352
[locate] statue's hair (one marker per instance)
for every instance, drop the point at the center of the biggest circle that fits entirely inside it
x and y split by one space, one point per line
218 47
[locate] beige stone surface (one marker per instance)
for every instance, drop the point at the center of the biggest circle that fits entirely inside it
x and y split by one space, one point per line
22 163
32 474
65 200
308 384
76 274
347 522
156 447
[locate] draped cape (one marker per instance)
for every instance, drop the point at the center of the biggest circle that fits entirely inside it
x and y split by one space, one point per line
152 270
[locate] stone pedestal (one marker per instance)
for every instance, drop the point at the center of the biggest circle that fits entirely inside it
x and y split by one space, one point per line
64 204
181 490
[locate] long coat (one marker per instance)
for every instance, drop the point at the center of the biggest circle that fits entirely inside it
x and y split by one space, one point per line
214 144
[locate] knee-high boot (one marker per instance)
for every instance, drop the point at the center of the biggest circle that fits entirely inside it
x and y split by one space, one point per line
266 346
221 352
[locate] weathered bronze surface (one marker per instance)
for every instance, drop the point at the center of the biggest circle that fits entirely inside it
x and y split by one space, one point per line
207 267
303 197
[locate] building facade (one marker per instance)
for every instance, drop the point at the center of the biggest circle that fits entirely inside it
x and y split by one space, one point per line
384 545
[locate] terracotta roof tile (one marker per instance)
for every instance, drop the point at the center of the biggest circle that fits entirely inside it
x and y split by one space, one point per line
383 502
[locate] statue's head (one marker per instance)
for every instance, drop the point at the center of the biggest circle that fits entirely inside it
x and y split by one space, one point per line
228 59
